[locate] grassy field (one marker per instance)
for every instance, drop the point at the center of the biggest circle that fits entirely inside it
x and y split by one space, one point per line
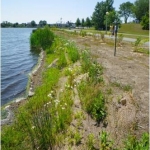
133 28
130 30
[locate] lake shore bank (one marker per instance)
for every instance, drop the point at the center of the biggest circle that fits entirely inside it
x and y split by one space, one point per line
34 80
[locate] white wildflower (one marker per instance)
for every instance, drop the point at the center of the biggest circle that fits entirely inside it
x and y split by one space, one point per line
52 92
33 127
56 101
63 108
49 95
48 103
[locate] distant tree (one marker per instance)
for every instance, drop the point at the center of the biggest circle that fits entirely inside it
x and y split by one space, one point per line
15 25
145 21
33 23
42 23
83 23
126 10
141 7
78 23
99 13
88 22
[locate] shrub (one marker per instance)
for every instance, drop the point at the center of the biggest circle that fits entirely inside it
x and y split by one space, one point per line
62 62
97 108
95 72
73 52
41 38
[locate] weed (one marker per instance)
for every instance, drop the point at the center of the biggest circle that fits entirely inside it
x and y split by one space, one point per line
77 137
137 42
102 36
127 88
92 100
120 38
90 141
97 108
79 115
105 143
83 33
109 91
95 72
123 87
72 52
62 62
133 144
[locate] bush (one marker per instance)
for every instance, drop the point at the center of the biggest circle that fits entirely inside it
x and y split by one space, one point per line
73 52
145 22
97 108
41 38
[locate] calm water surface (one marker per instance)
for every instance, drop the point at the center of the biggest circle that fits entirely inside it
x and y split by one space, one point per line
16 62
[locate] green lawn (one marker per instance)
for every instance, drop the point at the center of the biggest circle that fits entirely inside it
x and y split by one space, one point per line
133 28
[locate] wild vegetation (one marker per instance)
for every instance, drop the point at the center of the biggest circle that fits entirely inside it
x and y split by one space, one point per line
41 38
44 121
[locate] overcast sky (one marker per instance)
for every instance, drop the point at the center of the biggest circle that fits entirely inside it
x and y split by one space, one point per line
23 11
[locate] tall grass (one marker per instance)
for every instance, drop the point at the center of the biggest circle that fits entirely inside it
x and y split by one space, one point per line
92 99
42 122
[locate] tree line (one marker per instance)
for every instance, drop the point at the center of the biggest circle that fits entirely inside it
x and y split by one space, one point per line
104 12
31 24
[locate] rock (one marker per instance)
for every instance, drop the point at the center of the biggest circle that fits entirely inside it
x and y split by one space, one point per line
30 94
123 101
31 88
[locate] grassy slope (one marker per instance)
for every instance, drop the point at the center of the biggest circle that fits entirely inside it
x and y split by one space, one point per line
133 28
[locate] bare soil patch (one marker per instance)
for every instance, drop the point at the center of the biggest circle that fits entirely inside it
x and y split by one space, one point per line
126 75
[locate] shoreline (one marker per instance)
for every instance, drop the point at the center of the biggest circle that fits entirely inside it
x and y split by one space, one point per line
33 81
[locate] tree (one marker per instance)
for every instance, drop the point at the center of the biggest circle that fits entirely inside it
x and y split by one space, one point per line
99 13
42 23
33 23
78 23
141 7
15 24
145 21
88 22
83 23
126 10
111 17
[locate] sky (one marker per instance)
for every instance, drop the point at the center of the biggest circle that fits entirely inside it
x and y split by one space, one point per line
50 10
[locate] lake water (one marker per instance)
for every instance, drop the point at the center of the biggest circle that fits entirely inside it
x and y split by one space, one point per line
16 62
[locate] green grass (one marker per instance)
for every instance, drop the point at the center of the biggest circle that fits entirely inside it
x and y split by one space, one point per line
43 119
92 99
133 28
